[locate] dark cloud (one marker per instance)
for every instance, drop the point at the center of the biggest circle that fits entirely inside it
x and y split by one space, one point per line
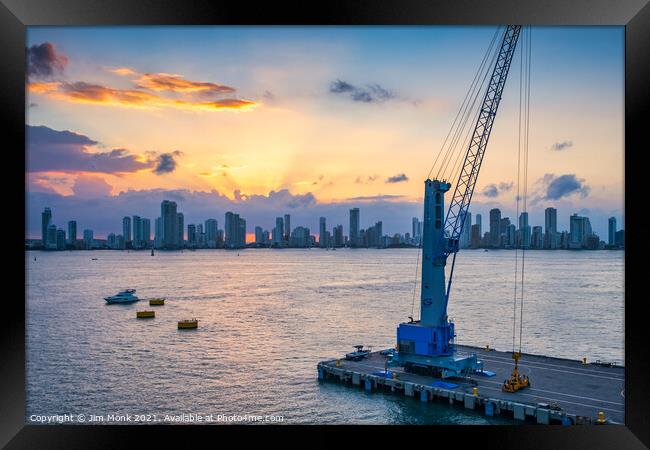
559 146
566 185
397 178
65 151
166 162
44 62
492 190
369 94
366 180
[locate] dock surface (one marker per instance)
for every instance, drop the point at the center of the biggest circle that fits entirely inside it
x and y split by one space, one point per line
562 390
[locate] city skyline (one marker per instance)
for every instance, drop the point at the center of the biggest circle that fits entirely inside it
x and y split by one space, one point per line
266 125
171 233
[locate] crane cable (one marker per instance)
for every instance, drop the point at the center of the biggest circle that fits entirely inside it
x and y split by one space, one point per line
522 147
462 111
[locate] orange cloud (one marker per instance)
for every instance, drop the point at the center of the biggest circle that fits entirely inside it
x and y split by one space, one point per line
82 92
176 83
123 71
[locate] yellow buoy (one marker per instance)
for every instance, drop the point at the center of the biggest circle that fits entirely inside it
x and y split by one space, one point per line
475 392
145 314
187 324
584 360
156 301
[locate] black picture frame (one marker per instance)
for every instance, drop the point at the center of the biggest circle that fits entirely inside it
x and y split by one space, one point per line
16 15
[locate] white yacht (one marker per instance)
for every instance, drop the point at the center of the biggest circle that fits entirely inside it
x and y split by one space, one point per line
125 296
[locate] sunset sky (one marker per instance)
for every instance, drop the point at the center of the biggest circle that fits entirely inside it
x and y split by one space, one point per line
308 121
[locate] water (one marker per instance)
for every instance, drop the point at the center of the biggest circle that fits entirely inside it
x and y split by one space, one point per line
267 317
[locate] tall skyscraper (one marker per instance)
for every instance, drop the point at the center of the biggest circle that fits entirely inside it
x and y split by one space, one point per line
89 240
137 232
126 228
191 235
322 238
550 220
354 227
259 235
338 236
479 222
180 229
287 227
466 234
612 231
475 239
159 232
211 228
51 237
241 233
72 232
170 221
231 229
146 232
580 231
60 239
495 227
278 231
46 221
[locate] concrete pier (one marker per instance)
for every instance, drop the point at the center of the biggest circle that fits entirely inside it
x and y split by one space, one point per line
562 391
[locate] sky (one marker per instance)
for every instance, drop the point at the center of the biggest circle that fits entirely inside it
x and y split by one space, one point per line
309 121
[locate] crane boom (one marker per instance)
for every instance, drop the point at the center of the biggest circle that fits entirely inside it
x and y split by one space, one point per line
464 189
428 344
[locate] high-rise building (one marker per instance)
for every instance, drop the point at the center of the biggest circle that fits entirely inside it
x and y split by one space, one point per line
126 228
60 239
146 232
89 240
180 229
580 231
475 238
511 234
241 233
524 230
137 232
51 237
354 227
278 231
322 239
259 235
211 227
231 229
191 235
495 227
619 239
479 222
46 221
72 232
300 237
159 232
611 231
537 238
169 217
550 220
466 233
338 236
287 227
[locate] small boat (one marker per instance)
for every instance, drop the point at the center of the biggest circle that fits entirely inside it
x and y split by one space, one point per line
94 259
359 354
156 301
125 296
145 314
187 324
151 251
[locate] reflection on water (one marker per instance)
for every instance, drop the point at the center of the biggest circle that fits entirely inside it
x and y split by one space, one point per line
267 317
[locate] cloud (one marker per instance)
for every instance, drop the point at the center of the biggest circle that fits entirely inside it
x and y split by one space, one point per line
559 146
552 187
43 61
369 94
82 92
176 83
397 178
124 71
166 162
51 150
492 190
86 186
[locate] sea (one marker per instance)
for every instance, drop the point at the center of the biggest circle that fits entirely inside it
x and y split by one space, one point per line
268 316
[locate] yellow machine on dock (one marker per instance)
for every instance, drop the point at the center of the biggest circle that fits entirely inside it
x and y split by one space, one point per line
516 380
145 314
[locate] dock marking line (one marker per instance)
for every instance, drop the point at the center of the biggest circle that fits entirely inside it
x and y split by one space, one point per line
526 364
545 364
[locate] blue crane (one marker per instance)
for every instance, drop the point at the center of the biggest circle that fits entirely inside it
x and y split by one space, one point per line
427 345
